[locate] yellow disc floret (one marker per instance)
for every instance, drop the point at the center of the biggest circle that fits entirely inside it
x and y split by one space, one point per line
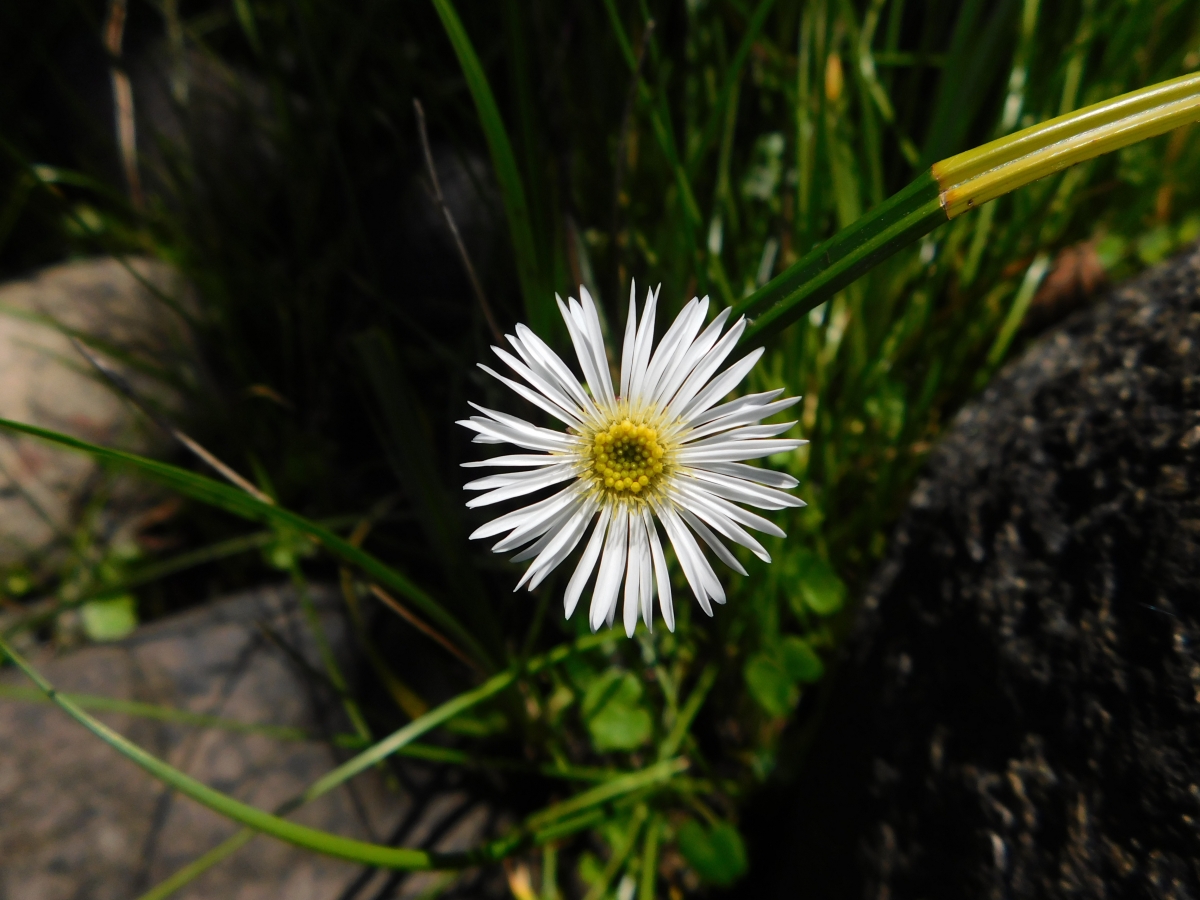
627 458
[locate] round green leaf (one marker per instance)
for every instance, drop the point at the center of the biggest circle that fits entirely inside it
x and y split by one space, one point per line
613 712
800 660
769 683
820 588
718 855
109 620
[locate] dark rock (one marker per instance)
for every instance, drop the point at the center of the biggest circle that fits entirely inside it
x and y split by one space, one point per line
1018 714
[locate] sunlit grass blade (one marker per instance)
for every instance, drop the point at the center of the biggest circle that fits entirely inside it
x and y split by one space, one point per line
394 743
214 493
973 178
168 714
539 306
259 820
962 182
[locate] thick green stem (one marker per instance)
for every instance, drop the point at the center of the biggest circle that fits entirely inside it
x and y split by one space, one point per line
959 183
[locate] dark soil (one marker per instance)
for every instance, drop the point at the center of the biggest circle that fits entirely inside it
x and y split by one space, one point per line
1018 714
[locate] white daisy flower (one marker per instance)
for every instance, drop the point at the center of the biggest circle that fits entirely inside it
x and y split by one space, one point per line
662 451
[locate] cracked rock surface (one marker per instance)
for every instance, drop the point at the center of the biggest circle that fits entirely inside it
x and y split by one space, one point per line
1018 714
80 822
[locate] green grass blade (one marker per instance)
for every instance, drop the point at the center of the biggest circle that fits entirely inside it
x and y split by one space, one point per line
300 835
897 222
407 439
239 503
159 713
733 73
539 306
963 182
395 743
973 178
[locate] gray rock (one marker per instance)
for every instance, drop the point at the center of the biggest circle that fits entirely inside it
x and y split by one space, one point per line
80 822
44 381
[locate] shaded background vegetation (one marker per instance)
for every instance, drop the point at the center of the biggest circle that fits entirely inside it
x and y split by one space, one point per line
705 145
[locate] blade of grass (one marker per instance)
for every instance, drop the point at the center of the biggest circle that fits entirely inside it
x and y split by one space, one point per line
662 133
1016 313
538 300
165 714
650 858
683 722
733 74
408 440
239 503
620 853
374 755
959 183
300 835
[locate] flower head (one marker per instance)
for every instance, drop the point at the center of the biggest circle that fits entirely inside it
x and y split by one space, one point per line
664 451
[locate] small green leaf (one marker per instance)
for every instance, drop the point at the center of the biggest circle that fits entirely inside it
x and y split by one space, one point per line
820 588
718 855
800 660
612 710
109 620
770 684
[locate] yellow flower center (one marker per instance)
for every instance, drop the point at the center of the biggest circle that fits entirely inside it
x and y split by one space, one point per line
627 459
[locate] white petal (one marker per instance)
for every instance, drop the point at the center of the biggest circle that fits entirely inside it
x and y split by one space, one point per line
534 481
629 349
697 352
735 450
647 577
486 438
741 491
583 349
591 320
548 533
547 389
522 461
539 357
506 479
752 473
555 555
735 418
570 419
521 518
560 546
722 385
704 369
711 539
531 437
587 562
678 336
733 511
718 519
633 572
745 433
645 342
696 569
727 409
612 567
661 574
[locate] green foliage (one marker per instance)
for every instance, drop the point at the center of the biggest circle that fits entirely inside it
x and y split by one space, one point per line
110 619
717 854
818 587
770 684
612 709
710 152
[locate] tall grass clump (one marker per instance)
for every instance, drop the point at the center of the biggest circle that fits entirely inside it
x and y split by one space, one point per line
709 146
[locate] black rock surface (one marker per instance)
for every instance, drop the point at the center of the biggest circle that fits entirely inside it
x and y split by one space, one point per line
1018 714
